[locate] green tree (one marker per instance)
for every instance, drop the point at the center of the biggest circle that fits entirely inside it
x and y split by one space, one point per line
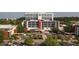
11 22
55 30
28 42
68 29
1 36
20 28
13 37
50 41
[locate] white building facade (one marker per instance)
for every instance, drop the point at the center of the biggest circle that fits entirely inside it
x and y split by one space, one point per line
40 21
77 30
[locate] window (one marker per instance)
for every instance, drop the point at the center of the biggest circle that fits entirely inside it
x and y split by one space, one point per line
32 24
48 24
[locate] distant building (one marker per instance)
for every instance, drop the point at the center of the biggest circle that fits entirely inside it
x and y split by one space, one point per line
77 28
39 21
8 30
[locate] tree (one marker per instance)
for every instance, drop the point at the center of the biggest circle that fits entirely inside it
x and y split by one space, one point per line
13 37
1 36
55 30
28 42
50 42
11 22
20 28
68 29
21 18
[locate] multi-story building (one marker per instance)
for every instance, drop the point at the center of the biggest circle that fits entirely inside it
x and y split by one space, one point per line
77 28
40 21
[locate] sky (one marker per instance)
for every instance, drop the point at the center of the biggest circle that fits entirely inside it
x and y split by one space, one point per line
21 14
66 14
11 14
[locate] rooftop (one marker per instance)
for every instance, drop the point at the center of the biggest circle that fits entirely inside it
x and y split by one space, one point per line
39 13
6 26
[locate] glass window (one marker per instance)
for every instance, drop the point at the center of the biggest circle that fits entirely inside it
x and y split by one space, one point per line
32 24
